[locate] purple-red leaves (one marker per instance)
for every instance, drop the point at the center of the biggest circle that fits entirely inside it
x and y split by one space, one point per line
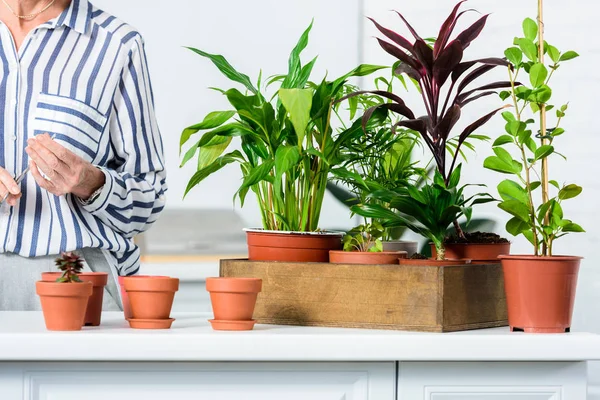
477 124
424 54
399 54
410 28
446 30
394 37
447 62
471 33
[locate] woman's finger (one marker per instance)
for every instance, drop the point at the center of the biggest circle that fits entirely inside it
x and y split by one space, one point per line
47 158
61 152
40 180
40 162
9 182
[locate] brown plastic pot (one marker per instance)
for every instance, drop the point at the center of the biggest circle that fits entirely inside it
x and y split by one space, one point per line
233 299
477 252
409 247
150 297
292 246
365 257
540 292
125 298
93 314
64 304
432 262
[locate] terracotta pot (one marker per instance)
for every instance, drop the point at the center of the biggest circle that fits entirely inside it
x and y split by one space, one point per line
431 261
233 299
477 252
540 292
365 257
151 297
93 314
125 298
64 304
150 323
402 245
292 246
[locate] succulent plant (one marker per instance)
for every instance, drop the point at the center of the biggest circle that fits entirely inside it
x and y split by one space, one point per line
71 264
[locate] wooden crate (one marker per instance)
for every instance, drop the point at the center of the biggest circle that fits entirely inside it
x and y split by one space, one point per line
415 298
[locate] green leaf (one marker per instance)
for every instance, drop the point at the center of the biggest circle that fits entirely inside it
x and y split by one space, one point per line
254 176
529 48
286 157
515 226
189 154
542 94
553 53
524 136
514 55
511 190
499 165
534 185
530 29
203 173
555 184
211 121
210 152
505 94
515 127
502 140
538 74
572 227
503 155
569 55
298 103
227 69
544 151
508 116
569 192
294 65
516 209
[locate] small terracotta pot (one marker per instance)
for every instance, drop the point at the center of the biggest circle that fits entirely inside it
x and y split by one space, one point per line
125 298
151 297
432 262
64 304
93 314
477 252
292 246
540 292
233 299
365 257
402 245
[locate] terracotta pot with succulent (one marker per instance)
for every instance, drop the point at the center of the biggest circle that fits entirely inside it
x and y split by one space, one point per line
151 299
540 288
363 245
93 314
445 80
64 301
233 301
288 147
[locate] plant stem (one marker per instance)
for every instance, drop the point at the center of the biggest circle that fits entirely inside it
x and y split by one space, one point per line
543 130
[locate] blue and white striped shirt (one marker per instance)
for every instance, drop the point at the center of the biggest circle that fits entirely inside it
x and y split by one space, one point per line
82 77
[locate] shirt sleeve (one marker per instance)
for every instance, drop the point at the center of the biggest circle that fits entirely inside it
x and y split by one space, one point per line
133 195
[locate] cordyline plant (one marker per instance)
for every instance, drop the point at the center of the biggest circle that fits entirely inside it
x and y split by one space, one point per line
543 223
288 144
444 79
71 265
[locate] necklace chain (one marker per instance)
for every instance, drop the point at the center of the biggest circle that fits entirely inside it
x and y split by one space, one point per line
32 15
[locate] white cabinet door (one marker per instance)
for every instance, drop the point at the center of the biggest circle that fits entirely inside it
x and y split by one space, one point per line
492 381
222 381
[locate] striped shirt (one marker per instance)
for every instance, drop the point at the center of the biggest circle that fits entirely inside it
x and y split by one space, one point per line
82 77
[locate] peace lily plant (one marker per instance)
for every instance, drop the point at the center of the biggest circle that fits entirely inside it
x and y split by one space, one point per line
541 287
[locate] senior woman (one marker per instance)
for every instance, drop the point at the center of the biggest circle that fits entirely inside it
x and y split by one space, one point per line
76 106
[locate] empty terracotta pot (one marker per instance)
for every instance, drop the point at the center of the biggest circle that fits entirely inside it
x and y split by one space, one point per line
477 252
93 314
125 298
292 246
64 304
233 299
365 257
430 262
150 297
540 292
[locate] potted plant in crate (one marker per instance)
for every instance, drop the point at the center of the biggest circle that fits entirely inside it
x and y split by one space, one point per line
446 85
93 314
64 302
540 288
363 245
288 147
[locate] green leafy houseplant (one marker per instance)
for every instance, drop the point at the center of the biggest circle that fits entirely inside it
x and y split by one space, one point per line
533 142
427 211
365 238
288 143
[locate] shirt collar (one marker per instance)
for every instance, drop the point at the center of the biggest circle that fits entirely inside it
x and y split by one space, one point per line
77 16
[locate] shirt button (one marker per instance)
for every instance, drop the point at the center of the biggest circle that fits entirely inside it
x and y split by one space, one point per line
14 138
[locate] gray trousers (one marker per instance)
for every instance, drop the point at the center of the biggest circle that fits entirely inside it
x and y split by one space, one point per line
19 274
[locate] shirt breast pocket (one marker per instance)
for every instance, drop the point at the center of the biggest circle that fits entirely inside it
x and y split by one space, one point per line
73 123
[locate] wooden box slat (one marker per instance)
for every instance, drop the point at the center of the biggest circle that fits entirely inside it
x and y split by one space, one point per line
419 298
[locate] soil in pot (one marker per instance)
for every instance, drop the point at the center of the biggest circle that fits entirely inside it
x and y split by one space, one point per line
292 246
93 314
540 292
64 304
233 299
409 247
365 257
476 246
151 297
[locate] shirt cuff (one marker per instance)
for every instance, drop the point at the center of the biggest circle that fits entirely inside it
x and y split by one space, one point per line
101 202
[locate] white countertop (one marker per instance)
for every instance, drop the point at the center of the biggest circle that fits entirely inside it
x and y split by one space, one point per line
23 337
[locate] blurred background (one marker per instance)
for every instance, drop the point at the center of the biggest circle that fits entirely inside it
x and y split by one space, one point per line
259 34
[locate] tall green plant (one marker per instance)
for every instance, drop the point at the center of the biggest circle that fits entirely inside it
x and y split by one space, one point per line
530 133
288 144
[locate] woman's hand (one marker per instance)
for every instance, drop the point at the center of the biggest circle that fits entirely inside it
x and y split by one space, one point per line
8 185
66 172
